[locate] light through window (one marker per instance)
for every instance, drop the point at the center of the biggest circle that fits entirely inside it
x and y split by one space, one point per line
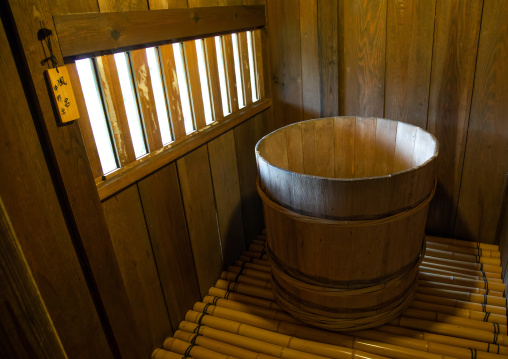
131 107
96 115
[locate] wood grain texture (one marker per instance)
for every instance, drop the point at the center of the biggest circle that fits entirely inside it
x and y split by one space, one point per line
124 215
32 204
167 4
246 136
226 187
117 114
135 171
502 229
26 326
229 72
362 40
165 220
78 195
146 98
94 32
71 7
197 193
84 124
328 57
311 89
172 90
195 93
122 5
410 30
456 32
213 78
203 3
245 68
485 161
285 61
261 62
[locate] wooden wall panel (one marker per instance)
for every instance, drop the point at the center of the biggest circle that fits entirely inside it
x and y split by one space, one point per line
246 137
133 250
26 327
285 60
165 220
328 57
31 201
167 4
453 70
486 156
410 30
311 90
198 198
75 185
122 5
226 187
362 40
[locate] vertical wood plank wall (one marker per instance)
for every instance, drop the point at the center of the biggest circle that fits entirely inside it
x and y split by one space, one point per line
437 64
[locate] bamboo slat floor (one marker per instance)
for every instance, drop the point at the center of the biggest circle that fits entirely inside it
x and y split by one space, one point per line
459 311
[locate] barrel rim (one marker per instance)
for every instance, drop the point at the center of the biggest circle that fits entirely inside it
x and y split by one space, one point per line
347 179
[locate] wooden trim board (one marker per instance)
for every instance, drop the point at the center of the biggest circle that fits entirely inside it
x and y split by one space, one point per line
90 33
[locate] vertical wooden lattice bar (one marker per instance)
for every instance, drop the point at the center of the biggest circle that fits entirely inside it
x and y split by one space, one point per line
229 63
244 66
213 78
168 67
84 124
116 109
144 87
258 63
191 62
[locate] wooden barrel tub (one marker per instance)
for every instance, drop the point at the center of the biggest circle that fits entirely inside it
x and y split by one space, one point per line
345 202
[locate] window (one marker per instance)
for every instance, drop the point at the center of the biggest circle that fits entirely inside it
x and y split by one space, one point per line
215 87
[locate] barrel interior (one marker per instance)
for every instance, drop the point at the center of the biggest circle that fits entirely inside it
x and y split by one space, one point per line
348 147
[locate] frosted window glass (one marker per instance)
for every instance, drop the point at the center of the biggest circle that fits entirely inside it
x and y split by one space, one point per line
239 86
158 94
184 92
130 103
222 76
96 115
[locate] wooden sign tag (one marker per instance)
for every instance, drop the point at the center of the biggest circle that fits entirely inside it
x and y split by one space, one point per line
63 96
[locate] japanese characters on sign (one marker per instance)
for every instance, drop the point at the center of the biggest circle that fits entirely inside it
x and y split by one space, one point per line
63 95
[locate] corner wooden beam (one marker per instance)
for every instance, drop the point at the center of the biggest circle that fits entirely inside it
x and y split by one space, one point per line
91 33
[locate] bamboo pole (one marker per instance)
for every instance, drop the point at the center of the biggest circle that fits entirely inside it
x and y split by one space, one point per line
462 243
465 313
251 309
220 347
432 341
483 284
467 297
197 352
429 308
494 268
461 304
451 330
164 354
328 350
458 288
472 275
464 250
450 319
246 342
445 339
254 266
218 292
234 319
